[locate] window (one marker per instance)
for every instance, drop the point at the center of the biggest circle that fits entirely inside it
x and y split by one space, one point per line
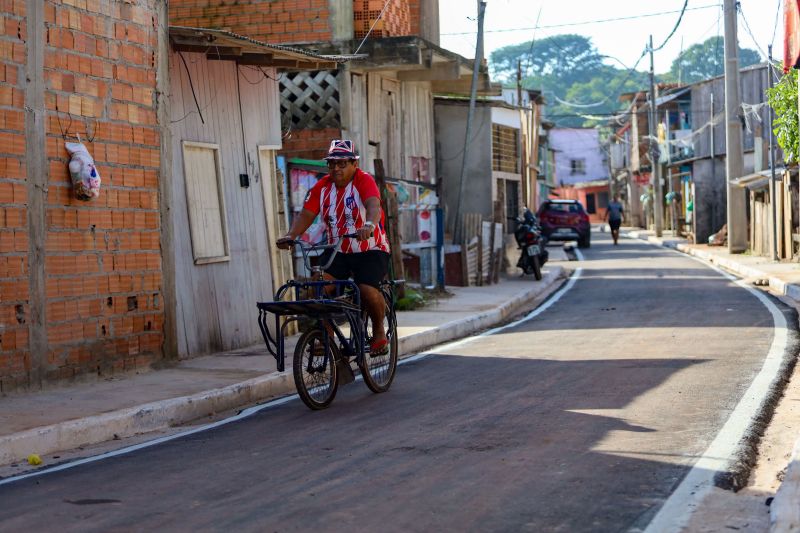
505 149
577 166
205 202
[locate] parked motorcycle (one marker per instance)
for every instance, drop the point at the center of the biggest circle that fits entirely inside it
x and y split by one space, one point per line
532 244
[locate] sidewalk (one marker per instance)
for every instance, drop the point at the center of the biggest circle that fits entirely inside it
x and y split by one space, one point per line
76 415
782 278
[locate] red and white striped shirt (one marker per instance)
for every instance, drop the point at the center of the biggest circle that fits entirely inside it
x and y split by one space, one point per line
343 211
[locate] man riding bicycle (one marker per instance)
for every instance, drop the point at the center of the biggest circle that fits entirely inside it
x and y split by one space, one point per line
348 200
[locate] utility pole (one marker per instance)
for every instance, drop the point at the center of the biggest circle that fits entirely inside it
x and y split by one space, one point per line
658 201
773 201
523 139
712 149
737 218
457 230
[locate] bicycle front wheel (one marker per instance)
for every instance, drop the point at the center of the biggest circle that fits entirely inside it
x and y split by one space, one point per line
378 370
314 369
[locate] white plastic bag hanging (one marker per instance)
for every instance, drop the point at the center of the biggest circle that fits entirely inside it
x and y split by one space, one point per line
85 178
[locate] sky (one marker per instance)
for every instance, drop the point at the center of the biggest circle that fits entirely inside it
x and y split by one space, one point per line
513 22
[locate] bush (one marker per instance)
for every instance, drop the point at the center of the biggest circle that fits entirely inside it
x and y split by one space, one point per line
412 300
783 100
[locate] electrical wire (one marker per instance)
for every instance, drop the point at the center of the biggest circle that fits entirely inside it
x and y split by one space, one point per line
612 92
701 38
586 22
533 40
775 28
373 26
674 29
749 31
191 85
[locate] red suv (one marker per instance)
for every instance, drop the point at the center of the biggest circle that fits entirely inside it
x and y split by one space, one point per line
565 220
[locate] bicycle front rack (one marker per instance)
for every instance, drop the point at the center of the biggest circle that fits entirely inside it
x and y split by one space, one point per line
345 301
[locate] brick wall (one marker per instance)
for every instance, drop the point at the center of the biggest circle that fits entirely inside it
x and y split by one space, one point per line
394 22
102 268
414 14
14 290
308 143
296 21
273 21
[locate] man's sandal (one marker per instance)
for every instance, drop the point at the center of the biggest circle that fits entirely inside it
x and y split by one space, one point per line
379 347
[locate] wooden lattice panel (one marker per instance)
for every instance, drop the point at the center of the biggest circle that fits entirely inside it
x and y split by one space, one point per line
310 100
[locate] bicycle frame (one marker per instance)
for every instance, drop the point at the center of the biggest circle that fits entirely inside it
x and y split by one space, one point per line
323 300
324 308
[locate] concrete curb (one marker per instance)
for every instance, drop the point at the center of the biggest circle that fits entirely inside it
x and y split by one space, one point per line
461 328
784 510
140 419
165 413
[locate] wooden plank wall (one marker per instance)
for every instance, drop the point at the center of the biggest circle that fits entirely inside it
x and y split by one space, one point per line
399 120
358 122
753 82
216 302
417 120
481 249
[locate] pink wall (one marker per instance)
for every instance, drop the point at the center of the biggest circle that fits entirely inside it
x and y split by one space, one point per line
572 193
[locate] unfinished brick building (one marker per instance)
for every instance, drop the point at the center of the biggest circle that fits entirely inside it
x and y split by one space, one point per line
80 281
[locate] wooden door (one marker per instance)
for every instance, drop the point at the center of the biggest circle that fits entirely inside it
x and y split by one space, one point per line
275 215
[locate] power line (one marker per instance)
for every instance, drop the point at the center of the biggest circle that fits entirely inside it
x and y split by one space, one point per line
586 22
604 100
373 26
775 28
533 40
674 29
749 32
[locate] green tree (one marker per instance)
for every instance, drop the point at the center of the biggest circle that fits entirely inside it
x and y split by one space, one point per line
555 65
563 58
604 89
705 60
783 100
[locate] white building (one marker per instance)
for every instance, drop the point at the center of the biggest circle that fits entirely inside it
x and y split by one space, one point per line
578 156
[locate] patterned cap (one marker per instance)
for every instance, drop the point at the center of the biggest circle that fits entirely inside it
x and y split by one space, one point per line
341 149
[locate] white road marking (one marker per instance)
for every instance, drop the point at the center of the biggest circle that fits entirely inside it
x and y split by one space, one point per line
678 508
257 408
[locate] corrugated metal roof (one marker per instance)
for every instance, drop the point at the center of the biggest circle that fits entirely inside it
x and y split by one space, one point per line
757 180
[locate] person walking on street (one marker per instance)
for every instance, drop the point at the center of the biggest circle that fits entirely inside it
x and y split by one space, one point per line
614 216
348 200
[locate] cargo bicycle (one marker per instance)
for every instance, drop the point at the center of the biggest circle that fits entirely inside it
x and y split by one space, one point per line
337 330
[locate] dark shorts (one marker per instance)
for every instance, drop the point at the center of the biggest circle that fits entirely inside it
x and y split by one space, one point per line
368 268
614 224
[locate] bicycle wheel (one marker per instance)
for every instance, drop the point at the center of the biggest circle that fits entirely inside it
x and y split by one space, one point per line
378 370
315 370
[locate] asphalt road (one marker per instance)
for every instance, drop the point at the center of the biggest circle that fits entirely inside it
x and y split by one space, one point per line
584 418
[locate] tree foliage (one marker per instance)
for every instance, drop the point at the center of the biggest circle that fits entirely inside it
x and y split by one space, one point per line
564 58
706 60
569 68
783 100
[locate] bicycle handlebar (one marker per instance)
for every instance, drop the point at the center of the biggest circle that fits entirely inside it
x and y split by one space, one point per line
307 247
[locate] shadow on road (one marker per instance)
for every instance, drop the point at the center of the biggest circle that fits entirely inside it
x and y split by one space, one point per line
458 444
